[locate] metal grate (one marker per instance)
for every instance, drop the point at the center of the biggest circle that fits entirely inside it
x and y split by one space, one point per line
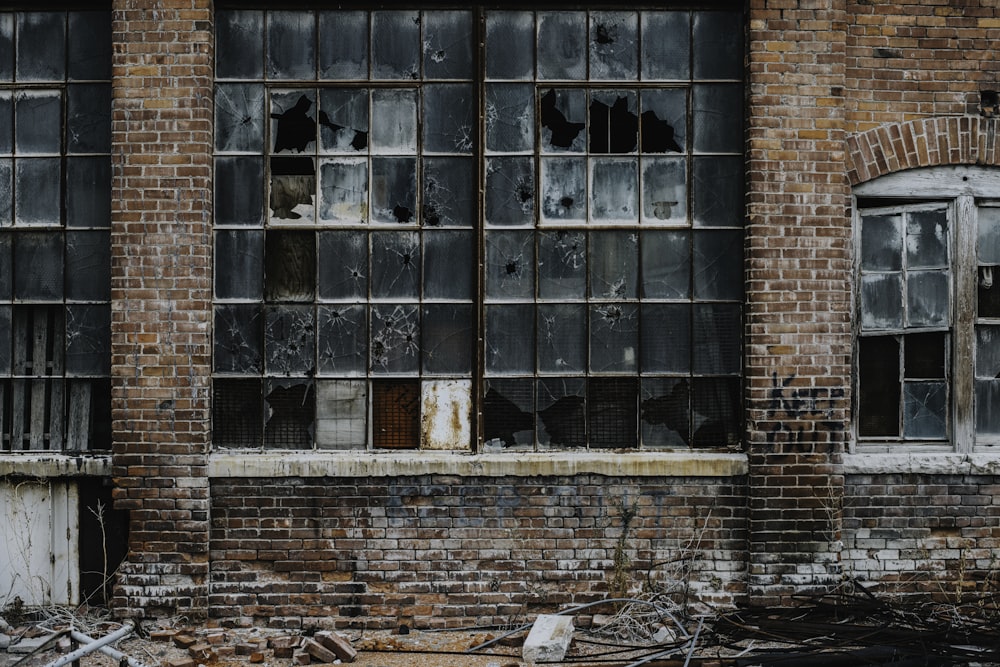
612 412
237 413
396 414
291 411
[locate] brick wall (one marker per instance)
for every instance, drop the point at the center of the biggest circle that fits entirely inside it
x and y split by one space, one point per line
440 551
161 292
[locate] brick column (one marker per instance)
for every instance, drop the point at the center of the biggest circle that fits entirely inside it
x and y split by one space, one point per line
161 300
798 301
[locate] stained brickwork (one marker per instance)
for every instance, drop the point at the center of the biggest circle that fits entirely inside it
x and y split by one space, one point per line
441 551
161 294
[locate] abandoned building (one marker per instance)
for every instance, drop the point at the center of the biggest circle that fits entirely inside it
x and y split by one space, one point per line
316 313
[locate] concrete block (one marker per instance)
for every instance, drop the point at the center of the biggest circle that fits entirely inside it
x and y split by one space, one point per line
549 639
340 646
28 644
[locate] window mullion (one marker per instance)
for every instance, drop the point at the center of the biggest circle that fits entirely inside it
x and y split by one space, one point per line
964 275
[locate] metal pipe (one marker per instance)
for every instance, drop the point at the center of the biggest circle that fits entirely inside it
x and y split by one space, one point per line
120 633
106 650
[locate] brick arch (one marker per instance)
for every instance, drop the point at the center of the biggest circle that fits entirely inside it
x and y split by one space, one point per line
927 142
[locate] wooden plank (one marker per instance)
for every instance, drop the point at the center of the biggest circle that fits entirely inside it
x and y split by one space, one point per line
17 414
56 413
36 425
20 365
78 418
3 404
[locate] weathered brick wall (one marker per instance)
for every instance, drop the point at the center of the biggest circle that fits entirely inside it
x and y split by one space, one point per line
798 308
923 534
161 292
437 551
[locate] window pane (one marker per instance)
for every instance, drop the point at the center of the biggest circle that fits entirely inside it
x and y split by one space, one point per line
5 339
394 121
342 338
41 46
239 117
664 121
6 268
988 249
614 337
925 410
924 356
395 414
6 122
510 117
293 188
561 410
563 119
927 240
449 193
614 121
614 190
449 264
341 414
395 265
37 191
614 264
290 407
343 265
237 413
927 298
394 190
987 351
239 264
717 189
718 264
614 45
881 243
510 339
664 191
508 413
510 265
562 45
343 191
665 412
510 42
239 339
878 386
239 44
447 339
343 45
988 291
988 407
666 339
343 119
882 301
562 265
612 415
715 408
293 121
289 266
395 339
666 264
7 191
88 192
395 45
88 266
510 191
718 118
447 44
666 40
718 45
88 339
38 122
289 340
291 45
448 118
562 338
88 110
38 266
7 47
564 189
717 332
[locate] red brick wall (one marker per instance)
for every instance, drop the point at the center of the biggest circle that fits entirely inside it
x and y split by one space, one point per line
161 292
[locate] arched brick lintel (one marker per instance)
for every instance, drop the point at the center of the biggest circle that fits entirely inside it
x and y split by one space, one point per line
927 142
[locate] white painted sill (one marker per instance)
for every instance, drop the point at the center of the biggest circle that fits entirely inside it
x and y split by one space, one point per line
55 465
922 464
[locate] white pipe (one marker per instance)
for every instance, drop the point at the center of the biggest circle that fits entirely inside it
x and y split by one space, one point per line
72 656
106 650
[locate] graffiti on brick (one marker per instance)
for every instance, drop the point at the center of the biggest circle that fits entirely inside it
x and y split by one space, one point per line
816 405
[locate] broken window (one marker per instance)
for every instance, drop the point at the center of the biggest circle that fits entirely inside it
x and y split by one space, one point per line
55 241
402 206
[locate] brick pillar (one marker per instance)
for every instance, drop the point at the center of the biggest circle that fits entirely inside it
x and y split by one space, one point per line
798 301
161 300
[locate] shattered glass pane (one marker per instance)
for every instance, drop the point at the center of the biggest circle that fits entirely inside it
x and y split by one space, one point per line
562 265
664 191
510 42
343 120
666 42
37 191
447 338
718 45
449 197
290 409
394 121
5 338
7 192
88 339
614 189
6 47
239 117
988 291
447 44
665 412
564 188
239 191
927 298
239 44
614 121
239 339
614 45
665 341
342 336
510 190
510 339
666 264
561 411
612 418
343 45
663 123
562 45
396 414
988 407
562 338
510 117
563 119
289 340
395 265
394 190
395 45
614 264
448 119
237 413
449 267
927 240
715 412
88 266
41 46
718 118
291 45
293 187
508 413
924 356
717 189
878 386
38 122
987 351
510 265
717 332
289 266
6 122
343 191
881 243
293 121
87 111
614 337
395 339
239 264
38 266
341 414
718 264
343 265
988 247
925 410
6 273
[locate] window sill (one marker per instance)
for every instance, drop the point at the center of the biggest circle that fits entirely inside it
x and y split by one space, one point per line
391 464
922 463
55 465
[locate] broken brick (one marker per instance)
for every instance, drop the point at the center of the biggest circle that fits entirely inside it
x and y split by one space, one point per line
318 651
340 646
301 658
184 641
